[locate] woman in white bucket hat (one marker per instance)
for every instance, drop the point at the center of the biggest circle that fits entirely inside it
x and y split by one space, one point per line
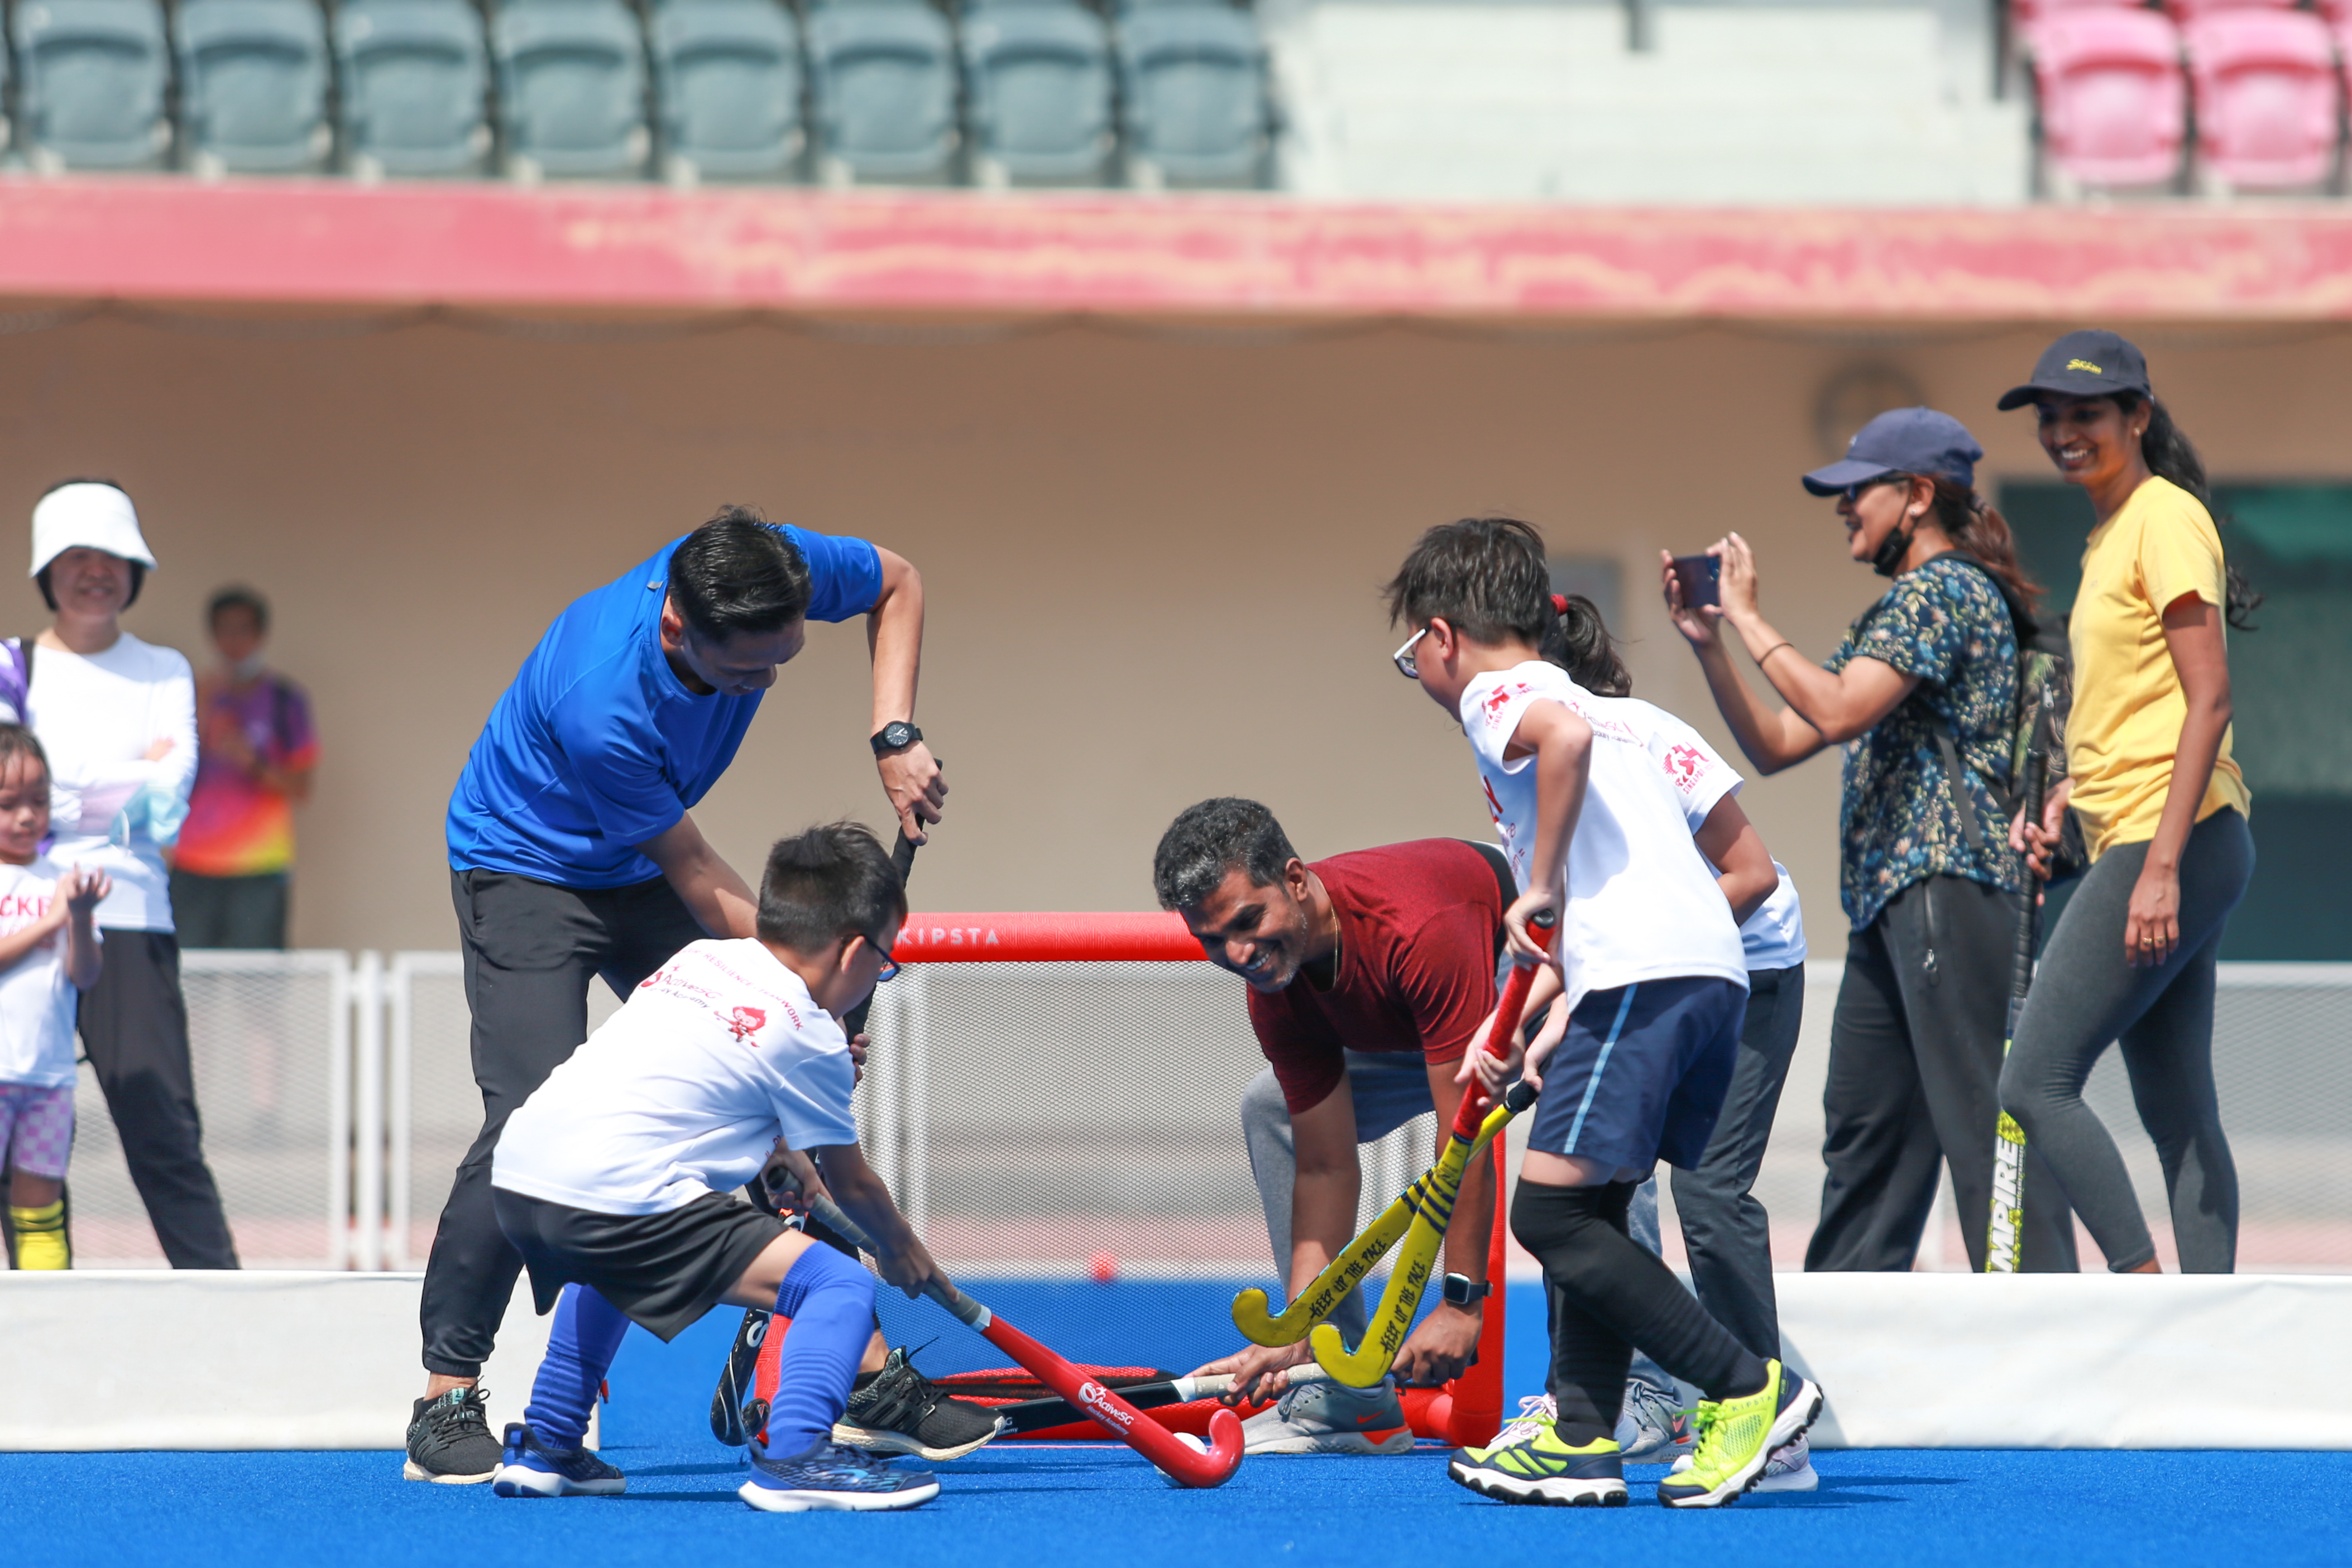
118 717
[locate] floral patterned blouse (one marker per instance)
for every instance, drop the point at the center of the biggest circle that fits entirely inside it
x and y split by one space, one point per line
1946 624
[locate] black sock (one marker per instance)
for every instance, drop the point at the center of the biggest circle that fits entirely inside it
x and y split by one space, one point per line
1612 1295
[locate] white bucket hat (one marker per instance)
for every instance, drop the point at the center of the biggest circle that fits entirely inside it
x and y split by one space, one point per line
90 514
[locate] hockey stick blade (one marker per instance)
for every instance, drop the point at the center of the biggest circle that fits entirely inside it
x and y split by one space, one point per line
1107 1409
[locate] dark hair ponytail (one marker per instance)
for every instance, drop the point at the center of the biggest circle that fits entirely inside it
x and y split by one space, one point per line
1577 640
2169 456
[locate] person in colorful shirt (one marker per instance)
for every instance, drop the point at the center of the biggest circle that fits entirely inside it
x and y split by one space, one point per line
235 855
1931 897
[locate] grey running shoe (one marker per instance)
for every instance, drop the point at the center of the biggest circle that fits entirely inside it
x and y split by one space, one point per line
898 1410
1789 1467
1330 1418
449 1440
1650 1424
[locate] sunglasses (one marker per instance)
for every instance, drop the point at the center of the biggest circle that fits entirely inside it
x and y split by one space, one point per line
1407 666
1853 491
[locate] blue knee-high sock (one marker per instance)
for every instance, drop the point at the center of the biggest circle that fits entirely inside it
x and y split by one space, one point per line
830 1301
579 1349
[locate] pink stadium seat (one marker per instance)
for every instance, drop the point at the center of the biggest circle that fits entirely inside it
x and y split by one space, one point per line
2187 11
2025 14
2113 99
2267 96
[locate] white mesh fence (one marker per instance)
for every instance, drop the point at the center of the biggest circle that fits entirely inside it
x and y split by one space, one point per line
1033 1118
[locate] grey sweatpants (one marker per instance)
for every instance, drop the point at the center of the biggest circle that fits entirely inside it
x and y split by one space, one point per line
1726 1230
2085 998
1390 1088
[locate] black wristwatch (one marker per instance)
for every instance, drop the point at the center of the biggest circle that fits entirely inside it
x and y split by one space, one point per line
1461 1290
896 736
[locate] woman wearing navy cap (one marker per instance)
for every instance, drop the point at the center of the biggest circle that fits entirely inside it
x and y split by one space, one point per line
2163 809
1921 695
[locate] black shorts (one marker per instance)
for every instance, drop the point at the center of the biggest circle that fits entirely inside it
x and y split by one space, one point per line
664 1270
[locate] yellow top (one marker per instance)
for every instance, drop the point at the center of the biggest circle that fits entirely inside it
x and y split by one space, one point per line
2129 705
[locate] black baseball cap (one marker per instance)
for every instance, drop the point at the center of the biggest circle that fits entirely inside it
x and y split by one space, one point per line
2083 364
1902 441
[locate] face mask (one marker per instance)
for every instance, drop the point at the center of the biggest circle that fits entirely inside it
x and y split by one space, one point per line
247 668
1888 560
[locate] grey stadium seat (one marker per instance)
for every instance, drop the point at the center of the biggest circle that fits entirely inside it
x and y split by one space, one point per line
883 80
91 76
1037 75
571 89
416 81
729 74
1193 95
253 86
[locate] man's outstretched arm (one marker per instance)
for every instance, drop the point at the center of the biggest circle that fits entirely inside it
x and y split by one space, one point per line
894 634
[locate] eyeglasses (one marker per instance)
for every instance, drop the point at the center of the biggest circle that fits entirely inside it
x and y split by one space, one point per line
1407 666
889 965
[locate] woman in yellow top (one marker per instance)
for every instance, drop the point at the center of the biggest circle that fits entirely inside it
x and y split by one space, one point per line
2163 810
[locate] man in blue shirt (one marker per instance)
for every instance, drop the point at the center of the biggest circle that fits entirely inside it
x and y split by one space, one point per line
572 852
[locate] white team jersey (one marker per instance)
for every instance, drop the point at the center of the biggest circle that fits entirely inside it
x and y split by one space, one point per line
37 998
1774 937
1642 902
685 1089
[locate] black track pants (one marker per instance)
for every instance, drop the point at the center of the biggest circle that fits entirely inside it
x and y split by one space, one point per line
134 1025
530 948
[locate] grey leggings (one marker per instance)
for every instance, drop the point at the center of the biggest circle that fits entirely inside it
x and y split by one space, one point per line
2086 997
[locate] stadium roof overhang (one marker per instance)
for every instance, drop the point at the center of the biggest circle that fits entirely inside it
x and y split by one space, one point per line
629 249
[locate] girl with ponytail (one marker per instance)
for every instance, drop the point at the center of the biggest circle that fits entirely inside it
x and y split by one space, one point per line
2163 809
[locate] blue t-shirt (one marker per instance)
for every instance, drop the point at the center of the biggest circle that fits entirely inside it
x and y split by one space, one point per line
598 747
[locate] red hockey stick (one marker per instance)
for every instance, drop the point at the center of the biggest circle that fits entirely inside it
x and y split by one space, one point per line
1112 1412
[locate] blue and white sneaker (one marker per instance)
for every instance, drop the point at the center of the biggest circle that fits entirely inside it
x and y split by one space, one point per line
529 1468
829 1476
1650 1424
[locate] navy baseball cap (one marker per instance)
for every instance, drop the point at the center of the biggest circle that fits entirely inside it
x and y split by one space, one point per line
1902 441
2083 364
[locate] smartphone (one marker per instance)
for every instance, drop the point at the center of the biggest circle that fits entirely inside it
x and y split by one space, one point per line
1700 578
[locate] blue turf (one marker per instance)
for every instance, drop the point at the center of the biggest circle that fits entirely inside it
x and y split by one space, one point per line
1037 1506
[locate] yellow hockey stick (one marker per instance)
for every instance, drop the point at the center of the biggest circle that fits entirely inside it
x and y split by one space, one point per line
1369 1362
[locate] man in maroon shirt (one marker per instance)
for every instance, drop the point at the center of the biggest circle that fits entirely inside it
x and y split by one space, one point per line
1369 975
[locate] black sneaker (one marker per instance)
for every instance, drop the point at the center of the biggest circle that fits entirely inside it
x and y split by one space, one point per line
449 1440
898 1410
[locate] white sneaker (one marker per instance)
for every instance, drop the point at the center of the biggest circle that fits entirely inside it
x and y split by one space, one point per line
1789 1467
1330 1418
1651 1425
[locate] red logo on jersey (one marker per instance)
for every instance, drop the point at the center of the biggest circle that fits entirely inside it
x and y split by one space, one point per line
655 978
1683 765
1493 703
1493 807
745 1022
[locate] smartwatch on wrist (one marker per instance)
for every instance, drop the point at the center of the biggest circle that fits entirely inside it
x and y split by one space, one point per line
1461 1290
896 736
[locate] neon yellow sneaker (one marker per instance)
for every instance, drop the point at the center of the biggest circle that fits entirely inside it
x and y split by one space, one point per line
1736 1436
1528 1463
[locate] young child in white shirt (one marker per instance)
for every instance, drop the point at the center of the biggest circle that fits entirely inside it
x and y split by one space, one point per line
1642 999
614 1181
48 956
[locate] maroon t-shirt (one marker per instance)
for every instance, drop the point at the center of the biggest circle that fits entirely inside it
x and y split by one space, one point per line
1417 927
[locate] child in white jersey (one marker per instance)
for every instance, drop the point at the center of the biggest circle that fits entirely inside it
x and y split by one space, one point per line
612 1181
1642 1001
48 956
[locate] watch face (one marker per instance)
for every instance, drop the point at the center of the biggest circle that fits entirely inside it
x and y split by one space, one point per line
897 734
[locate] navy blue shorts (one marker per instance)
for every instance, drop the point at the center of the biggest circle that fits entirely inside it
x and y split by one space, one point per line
1642 1075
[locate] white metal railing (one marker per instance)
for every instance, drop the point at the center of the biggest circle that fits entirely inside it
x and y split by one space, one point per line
1030 1117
